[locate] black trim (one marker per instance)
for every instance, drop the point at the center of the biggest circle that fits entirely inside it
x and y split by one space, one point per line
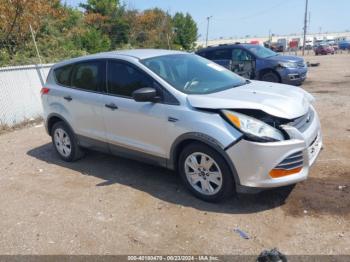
172 119
92 144
121 151
234 142
58 116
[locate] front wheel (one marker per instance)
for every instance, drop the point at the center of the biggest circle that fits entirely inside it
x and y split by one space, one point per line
205 173
270 77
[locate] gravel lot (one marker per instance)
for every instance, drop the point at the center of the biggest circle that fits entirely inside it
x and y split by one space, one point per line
108 205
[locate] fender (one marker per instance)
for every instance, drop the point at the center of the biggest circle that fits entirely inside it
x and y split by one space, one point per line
203 138
58 116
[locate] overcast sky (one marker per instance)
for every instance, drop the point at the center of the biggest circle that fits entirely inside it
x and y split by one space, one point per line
236 18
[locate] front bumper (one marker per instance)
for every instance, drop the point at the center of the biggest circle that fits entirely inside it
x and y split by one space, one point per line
254 161
293 76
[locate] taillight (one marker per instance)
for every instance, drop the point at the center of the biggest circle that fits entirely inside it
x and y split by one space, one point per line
44 90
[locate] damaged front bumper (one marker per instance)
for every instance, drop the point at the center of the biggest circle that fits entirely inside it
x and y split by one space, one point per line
255 161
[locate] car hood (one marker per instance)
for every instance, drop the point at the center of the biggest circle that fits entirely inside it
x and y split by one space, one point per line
286 58
279 100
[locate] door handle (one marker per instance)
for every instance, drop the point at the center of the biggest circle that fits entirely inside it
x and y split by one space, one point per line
68 98
111 106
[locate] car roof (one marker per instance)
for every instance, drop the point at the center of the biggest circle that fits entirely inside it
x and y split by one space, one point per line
138 54
143 53
210 48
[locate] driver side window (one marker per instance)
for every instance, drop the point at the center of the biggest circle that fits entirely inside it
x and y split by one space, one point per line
241 55
123 80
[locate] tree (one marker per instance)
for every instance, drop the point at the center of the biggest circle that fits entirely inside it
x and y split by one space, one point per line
151 28
63 32
107 16
17 15
185 31
95 41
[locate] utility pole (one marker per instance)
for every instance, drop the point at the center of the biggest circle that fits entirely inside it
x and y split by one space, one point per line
38 54
206 39
305 25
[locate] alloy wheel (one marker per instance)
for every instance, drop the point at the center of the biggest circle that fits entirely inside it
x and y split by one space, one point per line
203 173
62 142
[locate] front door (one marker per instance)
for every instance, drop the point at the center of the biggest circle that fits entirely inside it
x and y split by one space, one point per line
243 63
131 125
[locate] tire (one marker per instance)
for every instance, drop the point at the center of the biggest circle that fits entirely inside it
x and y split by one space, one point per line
214 181
65 142
270 77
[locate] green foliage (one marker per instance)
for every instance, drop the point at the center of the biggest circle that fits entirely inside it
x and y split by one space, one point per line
185 31
64 32
93 41
103 7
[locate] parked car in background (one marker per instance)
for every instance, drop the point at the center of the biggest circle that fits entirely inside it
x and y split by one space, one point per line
344 45
324 49
309 43
258 62
282 42
219 131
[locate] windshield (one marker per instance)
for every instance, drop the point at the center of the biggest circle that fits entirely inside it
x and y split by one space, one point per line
192 74
261 51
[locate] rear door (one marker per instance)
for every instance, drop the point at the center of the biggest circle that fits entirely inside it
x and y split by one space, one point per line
80 97
222 57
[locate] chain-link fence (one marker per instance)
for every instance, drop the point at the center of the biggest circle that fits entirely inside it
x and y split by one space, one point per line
20 93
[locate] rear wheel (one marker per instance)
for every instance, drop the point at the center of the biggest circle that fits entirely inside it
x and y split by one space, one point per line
205 173
65 143
270 77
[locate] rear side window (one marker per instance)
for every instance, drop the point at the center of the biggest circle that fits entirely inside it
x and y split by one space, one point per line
123 79
222 54
88 75
62 75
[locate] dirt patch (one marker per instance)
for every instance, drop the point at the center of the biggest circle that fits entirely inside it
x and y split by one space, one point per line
339 82
4 128
320 196
324 91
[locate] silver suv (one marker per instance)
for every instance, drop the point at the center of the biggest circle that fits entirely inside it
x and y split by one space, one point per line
221 132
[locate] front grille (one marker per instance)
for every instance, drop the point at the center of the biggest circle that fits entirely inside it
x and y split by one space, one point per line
303 122
292 161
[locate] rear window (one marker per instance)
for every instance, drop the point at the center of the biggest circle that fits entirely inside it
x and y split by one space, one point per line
88 75
222 54
62 75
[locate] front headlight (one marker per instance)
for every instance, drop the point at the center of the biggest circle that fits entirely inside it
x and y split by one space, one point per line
288 64
254 129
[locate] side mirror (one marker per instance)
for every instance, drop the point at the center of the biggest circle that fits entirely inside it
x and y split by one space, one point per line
146 94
